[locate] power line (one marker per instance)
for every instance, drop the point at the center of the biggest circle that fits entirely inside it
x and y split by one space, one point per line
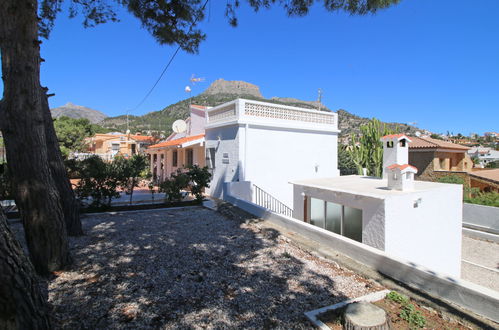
170 61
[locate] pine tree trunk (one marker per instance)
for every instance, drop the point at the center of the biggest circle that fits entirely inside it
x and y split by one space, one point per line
23 129
68 201
22 305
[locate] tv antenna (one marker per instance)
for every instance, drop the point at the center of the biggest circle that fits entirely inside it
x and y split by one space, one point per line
195 79
319 98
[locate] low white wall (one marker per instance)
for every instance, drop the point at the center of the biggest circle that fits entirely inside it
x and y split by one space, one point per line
481 217
478 299
241 190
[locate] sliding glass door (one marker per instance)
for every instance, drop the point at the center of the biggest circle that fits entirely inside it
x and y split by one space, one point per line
339 219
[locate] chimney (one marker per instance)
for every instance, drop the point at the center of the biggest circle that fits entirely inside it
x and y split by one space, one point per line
396 168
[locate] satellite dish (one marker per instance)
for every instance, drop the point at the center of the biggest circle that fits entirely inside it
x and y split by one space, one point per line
179 126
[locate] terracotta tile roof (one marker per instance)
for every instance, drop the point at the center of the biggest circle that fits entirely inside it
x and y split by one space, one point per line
202 107
142 138
176 142
492 174
402 167
427 142
395 136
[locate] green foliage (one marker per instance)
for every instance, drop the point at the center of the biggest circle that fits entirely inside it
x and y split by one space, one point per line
435 136
397 297
98 180
199 180
130 171
473 195
493 164
483 198
451 179
71 134
366 151
412 316
174 185
345 162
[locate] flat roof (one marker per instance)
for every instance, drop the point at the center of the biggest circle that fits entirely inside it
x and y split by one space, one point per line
365 186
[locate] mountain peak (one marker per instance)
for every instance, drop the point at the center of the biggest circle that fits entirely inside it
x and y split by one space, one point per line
77 111
234 87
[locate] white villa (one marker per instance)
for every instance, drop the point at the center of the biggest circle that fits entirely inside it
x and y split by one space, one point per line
417 221
253 149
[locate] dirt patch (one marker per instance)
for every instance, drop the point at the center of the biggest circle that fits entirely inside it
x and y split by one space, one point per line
432 319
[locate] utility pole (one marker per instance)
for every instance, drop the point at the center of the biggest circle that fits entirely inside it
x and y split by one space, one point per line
319 98
127 124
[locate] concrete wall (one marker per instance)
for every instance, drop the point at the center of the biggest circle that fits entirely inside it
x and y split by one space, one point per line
478 299
481 217
274 157
224 141
429 234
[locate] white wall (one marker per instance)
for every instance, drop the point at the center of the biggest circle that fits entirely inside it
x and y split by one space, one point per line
276 156
228 143
373 211
429 235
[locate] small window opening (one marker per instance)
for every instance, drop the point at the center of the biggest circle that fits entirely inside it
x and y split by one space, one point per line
402 142
389 144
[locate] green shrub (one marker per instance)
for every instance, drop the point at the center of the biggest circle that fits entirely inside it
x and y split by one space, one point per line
98 180
483 198
451 179
199 178
174 185
412 316
397 297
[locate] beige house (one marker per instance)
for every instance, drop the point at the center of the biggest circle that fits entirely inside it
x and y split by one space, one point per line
435 158
180 149
109 145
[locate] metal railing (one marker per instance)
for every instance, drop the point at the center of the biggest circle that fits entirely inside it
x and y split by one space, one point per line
266 200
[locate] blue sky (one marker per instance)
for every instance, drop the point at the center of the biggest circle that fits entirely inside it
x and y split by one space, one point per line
431 62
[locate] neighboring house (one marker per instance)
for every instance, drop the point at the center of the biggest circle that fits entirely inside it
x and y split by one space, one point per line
435 158
491 134
180 149
417 221
484 155
107 146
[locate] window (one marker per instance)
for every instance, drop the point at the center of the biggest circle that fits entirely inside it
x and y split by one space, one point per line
115 147
174 158
210 158
442 163
337 218
134 146
189 155
389 144
402 143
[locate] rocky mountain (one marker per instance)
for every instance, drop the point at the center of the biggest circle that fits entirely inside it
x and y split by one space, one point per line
222 91
77 111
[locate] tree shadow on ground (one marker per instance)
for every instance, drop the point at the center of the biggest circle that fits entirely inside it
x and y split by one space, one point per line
192 268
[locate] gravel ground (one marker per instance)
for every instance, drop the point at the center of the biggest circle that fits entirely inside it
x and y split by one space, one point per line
477 252
192 268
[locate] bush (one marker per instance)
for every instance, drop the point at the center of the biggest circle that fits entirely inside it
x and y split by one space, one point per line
199 178
174 185
98 180
451 179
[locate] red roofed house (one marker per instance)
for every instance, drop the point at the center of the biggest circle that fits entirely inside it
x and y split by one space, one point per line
180 149
435 158
107 146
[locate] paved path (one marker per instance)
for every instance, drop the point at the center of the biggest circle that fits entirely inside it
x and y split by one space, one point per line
480 263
